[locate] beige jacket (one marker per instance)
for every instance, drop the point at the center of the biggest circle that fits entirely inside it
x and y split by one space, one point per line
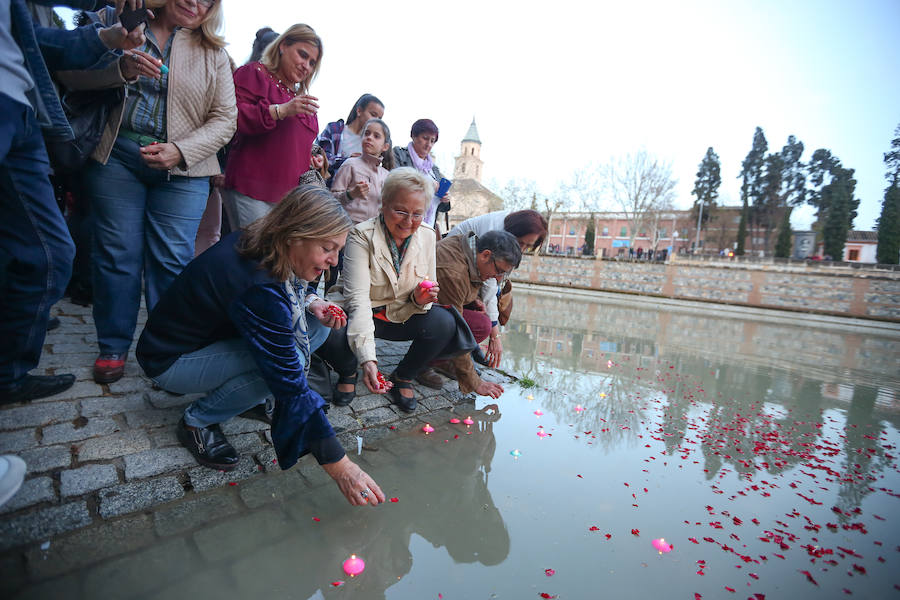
369 281
201 114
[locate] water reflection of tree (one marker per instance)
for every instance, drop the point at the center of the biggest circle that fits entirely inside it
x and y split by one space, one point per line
864 456
612 400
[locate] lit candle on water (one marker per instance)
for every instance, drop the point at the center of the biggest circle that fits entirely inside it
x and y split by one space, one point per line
353 566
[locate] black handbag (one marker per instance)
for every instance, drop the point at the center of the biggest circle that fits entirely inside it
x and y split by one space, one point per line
319 377
88 112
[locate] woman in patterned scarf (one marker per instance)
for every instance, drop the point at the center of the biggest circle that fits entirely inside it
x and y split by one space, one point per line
386 262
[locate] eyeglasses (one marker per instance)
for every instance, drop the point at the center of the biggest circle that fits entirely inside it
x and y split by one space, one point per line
500 273
403 215
206 3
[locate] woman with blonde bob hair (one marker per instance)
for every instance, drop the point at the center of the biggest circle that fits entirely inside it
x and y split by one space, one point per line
148 180
276 126
239 326
389 287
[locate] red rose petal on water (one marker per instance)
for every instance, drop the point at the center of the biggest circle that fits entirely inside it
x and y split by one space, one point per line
697 596
232 483
729 589
337 583
316 519
594 528
608 535
635 532
859 569
546 595
809 577
549 572
395 499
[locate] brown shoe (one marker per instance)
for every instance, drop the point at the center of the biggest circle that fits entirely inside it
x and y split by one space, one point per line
109 367
430 379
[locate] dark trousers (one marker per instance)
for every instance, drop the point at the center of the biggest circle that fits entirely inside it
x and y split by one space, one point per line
430 333
36 250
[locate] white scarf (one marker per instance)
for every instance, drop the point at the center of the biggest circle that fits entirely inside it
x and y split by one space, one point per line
296 293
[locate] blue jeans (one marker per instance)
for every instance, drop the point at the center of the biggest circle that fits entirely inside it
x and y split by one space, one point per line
145 223
36 250
227 372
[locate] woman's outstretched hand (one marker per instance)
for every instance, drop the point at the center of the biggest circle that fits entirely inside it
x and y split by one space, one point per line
328 313
375 384
358 488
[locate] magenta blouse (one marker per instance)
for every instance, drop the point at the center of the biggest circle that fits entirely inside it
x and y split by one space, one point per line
267 156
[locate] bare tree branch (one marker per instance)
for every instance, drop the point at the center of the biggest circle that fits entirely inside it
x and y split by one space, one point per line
639 184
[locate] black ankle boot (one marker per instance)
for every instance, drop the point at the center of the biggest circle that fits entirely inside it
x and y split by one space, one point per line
208 445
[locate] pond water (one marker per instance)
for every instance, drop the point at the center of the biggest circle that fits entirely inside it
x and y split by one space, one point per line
762 449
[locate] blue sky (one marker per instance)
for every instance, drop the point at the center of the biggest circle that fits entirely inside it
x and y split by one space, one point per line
555 86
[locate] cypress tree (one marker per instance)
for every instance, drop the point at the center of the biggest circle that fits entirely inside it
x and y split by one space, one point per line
752 180
784 241
742 230
888 225
589 237
838 196
706 186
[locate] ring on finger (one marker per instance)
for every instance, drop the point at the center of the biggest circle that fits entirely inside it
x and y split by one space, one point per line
365 494
135 58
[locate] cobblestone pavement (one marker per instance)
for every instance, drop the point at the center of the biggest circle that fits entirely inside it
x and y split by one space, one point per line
100 456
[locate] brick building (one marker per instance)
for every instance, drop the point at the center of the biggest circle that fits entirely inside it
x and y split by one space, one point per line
613 235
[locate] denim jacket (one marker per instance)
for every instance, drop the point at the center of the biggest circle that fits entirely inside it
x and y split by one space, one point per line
61 49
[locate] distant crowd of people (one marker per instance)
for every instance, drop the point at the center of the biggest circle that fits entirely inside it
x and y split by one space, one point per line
259 244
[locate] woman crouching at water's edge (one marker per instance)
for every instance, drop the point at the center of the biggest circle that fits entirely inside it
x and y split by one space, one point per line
238 325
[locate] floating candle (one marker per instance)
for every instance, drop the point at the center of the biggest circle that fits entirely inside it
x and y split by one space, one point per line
515 453
661 545
602 395
538 412
353 566
529 397
578 408
468 421
454 420
428 428
542 433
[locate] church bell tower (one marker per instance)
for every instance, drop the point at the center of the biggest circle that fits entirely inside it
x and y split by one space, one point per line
469 163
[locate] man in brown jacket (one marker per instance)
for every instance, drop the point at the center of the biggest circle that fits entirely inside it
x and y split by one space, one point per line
463 263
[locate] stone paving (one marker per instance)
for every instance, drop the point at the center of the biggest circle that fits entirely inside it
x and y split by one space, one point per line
100 456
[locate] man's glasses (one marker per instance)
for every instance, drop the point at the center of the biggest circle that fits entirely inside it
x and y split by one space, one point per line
498 270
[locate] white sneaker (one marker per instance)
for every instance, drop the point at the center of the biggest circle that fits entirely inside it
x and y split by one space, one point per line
12 474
